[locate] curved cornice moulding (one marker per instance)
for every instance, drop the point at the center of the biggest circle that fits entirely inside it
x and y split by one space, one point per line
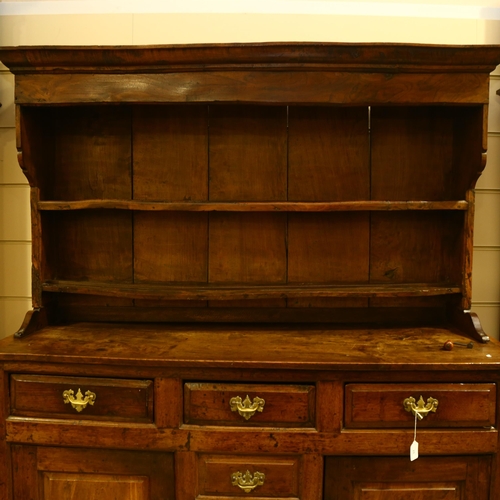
307 7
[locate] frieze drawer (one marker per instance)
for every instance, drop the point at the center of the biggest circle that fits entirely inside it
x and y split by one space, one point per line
249 405
436 405
248 476
81 398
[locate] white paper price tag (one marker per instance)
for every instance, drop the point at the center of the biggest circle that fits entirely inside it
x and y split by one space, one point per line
414 451
414 445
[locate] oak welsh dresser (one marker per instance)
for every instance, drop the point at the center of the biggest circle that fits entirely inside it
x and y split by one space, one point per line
251 275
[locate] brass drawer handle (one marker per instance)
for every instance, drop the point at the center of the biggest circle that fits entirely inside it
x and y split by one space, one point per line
246 481
421 409
246 408
79 402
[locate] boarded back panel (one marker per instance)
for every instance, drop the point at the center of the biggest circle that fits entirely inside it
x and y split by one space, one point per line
248 153
94 245
328 154
92 154
247 247
170 247
412 152
418 247
328 248
170 153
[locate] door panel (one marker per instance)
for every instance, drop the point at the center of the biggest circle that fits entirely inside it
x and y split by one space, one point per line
397 478
45 473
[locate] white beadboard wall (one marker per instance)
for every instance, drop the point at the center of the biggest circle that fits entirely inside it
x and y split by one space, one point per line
114 22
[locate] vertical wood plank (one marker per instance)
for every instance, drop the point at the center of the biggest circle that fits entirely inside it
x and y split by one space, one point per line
412 153
328 248
168 402
92 154
5 458
170 145
93 245
311 478
39 264
24 465
468 249
247 248
170 247
329 404
416 247
248 153
328 154
186 475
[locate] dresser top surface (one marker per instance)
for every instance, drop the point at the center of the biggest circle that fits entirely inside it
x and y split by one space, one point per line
308 347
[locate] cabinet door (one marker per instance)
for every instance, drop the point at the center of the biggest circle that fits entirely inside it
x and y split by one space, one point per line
45 473
396 478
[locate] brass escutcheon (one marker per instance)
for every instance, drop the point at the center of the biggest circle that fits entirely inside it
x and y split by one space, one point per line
246 481
246 408
420 408
79 402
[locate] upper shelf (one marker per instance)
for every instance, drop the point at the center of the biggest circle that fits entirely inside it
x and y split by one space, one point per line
271 206
216 291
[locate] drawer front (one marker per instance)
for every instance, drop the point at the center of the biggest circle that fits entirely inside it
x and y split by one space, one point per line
248 476
81 398
381 405
249 405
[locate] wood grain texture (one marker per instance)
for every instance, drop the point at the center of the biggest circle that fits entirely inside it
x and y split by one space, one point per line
168 402
85 486
459 405
411 153
416 246
24 460
248 159
330 248
430 478
186 475
254 206
170 248
345 312
5 455
92 154
170 147
224 441
142 475
68 59
253 86
284 406
285 221
327 144
115 399
329 402
100 243
281 475
238 291
468 251
311 479
247 248
311 347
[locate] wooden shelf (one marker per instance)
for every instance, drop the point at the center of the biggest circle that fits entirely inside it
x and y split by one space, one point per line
270 206
237 292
